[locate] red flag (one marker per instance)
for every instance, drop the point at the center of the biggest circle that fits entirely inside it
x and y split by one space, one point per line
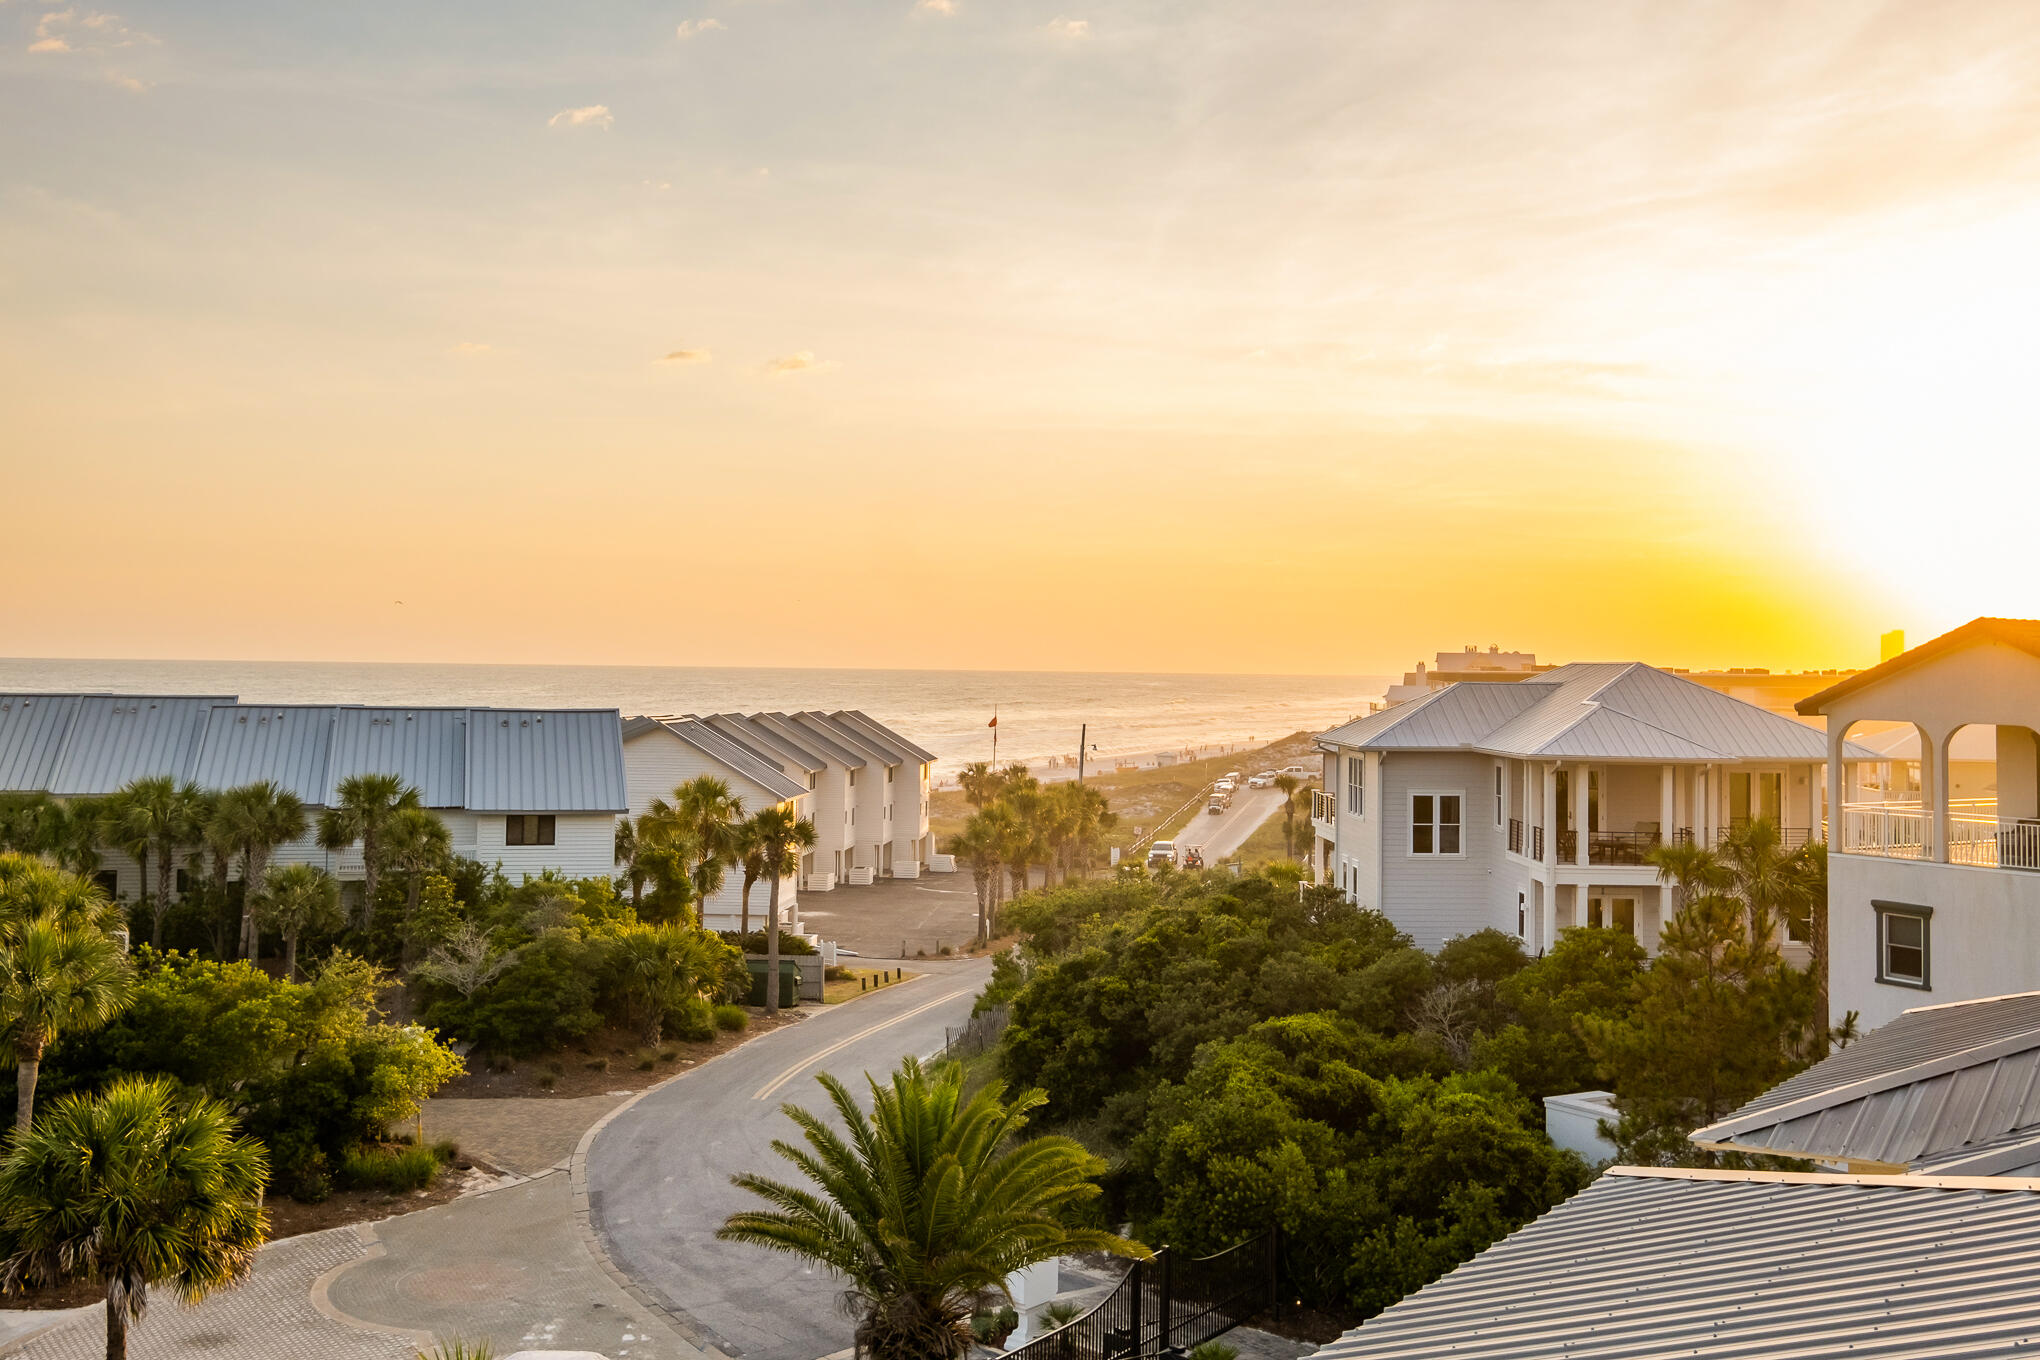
994 722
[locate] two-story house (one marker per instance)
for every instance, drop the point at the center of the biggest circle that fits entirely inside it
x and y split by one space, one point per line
1530 806
1934 867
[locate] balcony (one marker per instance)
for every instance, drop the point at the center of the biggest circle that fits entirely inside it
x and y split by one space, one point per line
1324 805
1515 835
1901 831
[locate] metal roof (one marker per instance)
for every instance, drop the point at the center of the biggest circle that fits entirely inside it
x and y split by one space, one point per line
114 739
721 749
32 728
845 736
2019 634
1952 1089
859 721
1591 711
287 744
819 739
1648 1264
766 742
545 760
427 746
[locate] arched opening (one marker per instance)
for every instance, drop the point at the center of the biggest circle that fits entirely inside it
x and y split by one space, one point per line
1994 796
1884 809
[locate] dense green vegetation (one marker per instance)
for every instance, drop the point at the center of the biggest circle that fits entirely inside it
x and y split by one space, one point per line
1018 825
1248 1052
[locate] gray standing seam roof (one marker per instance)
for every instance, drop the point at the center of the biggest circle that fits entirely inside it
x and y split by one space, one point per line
817 739
428 746
32 728
766 741
732 755
551 760
287 744
1950 1089
1591 711
1646 1265
861 721
115 739
845 737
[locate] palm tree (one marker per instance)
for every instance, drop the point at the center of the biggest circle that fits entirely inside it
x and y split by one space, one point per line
660 964
981 787
129 1189
751 857
1289 784
365 803
415 842
930 1204
977 845
634 872
297 898
112 820
162 815
258 817
709 814
781 839
1688 868
61 966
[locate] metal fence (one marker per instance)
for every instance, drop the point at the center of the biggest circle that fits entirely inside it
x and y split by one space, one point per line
974 1035
1169 1303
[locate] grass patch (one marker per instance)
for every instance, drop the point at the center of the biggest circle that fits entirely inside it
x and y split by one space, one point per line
395 1170
860 982
734 1019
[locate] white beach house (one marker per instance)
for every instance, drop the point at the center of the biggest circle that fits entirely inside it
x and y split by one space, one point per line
1934 870
1528 806
532 789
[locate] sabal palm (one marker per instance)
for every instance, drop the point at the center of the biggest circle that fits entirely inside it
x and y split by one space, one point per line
709 814
297 898
161 815
978 846
781 837
627 846
414 843
1288 784
61 967
362 808
129 1189
1689 868
925 1206
255 819
750 850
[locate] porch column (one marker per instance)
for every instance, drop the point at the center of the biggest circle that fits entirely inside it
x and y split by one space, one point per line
1667 805
1547 935
1705 830
1580 779
1934 793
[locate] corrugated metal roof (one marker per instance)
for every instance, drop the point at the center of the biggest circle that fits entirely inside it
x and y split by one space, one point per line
766 742
32 728
1590 711
859 721
286 744
551 760
115 739
845 735
826 739
426 746
1946 1088
713 744
1649 1264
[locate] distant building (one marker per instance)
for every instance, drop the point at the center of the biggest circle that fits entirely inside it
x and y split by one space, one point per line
1468 665
1530 806
1934 868
1774 691
533 789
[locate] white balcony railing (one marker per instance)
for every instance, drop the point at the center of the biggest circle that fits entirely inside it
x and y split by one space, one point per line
1900 832
1324 805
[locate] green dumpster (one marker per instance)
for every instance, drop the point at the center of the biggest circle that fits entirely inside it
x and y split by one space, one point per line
789 981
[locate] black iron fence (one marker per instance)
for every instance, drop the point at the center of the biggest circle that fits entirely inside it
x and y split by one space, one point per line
1170 1303
974 1035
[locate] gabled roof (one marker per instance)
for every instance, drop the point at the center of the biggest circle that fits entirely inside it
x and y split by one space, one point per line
1649 1264
810 738
2021 634
1952 1089
428 746
545 760
1593 711
32 728
721 749
859 721
821 725
287 744
766 742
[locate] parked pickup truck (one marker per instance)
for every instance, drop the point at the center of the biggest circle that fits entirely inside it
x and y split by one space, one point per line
1220 801
1160 853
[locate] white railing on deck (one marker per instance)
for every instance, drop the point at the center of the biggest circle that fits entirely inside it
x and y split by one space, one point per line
1892 832
1900 832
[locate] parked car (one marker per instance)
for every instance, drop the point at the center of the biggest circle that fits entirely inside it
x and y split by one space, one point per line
1301 771
1160 853
1226 785
1263 780
1220 801
1233 777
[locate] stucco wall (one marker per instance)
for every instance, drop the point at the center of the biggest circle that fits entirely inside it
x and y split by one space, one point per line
1984 936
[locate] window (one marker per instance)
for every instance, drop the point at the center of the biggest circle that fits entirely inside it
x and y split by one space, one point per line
1498 794
1356 785
1522 917
814 779
109 883
1618 913
1902 952
888 774
1434 823
853 779
528 829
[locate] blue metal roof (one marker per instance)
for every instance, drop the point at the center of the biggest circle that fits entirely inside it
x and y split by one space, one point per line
286 744
427 746
32 728
115 739
551 760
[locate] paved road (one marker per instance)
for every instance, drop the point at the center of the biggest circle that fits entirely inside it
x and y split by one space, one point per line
1221 835
659 1174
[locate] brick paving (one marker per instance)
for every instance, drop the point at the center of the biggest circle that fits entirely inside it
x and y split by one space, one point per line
269 1317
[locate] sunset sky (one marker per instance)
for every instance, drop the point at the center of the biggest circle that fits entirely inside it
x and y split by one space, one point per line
1089 334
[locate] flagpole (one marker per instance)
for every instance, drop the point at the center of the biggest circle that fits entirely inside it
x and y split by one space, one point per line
995 736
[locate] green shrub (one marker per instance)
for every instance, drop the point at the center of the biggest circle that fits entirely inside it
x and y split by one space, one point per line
647 1060
546 1081
732 1018
755 943
1061 1313
837 972
460 1350
692 1020
597 1064
378 1168
446 1152
1214 1350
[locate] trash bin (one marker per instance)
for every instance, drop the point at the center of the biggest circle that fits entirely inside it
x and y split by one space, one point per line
789 981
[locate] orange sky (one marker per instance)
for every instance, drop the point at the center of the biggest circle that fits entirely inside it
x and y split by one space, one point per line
1195 336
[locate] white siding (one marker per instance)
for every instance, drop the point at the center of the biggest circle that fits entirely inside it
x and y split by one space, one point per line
1435 897
584 846
655 762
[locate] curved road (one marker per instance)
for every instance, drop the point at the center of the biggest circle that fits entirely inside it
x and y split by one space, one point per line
659 1174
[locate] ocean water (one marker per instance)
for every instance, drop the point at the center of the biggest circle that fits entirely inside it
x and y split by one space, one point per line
1040 712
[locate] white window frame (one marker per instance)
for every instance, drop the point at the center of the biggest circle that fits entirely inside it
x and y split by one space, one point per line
1925 916
1437 824
1356 785
1501 795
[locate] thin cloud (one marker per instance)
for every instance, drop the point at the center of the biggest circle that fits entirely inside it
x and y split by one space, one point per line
691 28
73 30
945 8
687 356
1069 28
128 83
471 348
800 361
592 115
